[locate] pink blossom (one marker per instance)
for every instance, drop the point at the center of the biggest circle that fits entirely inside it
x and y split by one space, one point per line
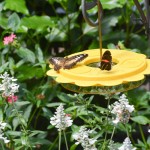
68 115
11 99
9 39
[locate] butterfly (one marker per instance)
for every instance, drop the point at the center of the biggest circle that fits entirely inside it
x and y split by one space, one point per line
106 62
67 62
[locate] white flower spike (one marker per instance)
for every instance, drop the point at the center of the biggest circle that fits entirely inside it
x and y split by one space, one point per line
8 85
126 145
61 120
82 138
2 126
122 110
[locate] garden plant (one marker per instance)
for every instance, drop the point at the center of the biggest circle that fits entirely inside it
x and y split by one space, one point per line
42 109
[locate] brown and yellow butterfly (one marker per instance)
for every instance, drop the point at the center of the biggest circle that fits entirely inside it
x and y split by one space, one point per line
67 62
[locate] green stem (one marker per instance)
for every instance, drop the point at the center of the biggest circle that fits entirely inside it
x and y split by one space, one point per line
129 135
103 146
65 140
54 143
2 146
18 115
33 114
127 131
86 105
36 119
142 134
60 140
112 133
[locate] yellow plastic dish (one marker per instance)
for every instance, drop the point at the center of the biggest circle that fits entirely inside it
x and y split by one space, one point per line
129 72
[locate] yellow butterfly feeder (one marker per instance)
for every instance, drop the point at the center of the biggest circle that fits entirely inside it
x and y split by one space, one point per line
75 73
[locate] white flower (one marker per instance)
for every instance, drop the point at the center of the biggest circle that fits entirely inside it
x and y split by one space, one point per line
61 120
112 145
126 145
122 110
8 85
2 126
149 130
82 138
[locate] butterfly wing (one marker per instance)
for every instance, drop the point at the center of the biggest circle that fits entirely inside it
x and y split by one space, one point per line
57 62
106 62
72 61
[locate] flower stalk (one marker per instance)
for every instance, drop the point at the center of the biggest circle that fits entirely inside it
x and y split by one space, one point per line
61 121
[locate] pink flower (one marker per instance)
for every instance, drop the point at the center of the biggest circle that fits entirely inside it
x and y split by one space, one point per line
68 115
11 99
9 39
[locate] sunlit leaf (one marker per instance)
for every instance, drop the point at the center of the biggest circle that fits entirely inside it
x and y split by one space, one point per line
22 103
73 147
38 22
56 35
27 112
16 5
26 54
29 72
141 120
13 22
107 4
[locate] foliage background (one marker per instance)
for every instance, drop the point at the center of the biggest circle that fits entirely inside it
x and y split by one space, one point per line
47 28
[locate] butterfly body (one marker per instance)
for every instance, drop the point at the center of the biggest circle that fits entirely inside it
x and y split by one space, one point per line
106 61
67 62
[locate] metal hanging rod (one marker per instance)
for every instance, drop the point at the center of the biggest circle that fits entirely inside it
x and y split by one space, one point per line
145 18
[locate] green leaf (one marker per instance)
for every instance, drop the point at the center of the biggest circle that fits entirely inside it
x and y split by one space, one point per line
72 108
27 112
53 104
16 5
64 97
1 114
37 22
107 4
22 29
3 22
122 2
141 120
22 103
14 133
139 100
1 6
40 57
23 122
26 54
40 141
13 22
88 29
20 63
4 67
73 147
28 72
41 133
111 46
56 35
11 65
100 109
15 123
39 53
58 1
46 112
